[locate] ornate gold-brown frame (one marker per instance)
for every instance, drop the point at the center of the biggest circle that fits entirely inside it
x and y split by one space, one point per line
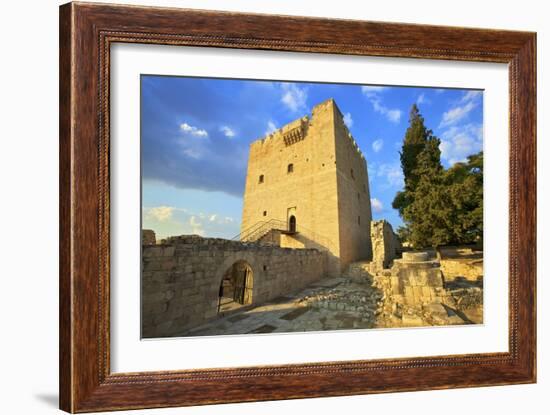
86 33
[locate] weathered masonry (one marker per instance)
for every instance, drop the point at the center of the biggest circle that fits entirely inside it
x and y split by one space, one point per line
309 182
185 279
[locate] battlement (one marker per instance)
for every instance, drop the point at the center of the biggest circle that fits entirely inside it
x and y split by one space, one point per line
297 130
340 120
289 133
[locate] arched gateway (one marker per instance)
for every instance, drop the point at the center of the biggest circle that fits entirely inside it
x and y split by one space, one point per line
236 287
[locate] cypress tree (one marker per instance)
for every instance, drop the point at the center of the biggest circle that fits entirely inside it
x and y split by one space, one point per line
416 138
438 206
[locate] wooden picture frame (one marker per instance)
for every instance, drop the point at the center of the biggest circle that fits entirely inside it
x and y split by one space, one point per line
86 33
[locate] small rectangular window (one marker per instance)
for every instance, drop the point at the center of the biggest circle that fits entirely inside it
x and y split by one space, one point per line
261 179
359 220
265 212
290 168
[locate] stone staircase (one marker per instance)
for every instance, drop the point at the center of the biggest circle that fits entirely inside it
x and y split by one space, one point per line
259 230
269 237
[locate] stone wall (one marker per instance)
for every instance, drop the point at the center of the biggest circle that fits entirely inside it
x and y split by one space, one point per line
415 281
384 244
471 270
416 291
461 262
354 208
181 278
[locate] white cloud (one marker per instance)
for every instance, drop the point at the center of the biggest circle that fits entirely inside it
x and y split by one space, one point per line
194 131
373 95
271 127
191 147
196 226
372 90
468 102
459 142
160 213
227 131
392 115
471 95
391 173
348 120
454 115
422 99
173 221
377 145
217 219
194 153
376 205
294 97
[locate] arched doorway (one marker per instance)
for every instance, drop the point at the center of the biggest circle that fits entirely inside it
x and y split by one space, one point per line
292 224
236 287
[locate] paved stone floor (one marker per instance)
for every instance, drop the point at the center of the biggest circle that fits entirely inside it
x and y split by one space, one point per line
329 304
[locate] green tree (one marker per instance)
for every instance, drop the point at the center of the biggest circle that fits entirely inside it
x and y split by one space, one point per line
438 206
465 192
416 139
426 215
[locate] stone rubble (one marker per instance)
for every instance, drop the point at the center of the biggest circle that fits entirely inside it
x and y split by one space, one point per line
396 307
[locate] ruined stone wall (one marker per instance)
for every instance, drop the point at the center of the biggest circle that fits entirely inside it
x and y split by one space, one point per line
318 190
413 293
384 244
471 270
413 280
416 283
181 278
461 262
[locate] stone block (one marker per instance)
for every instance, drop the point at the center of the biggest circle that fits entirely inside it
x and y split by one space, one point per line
168 251
417 293
167 264
409 320
152 251
435 278
427 292
415 256
152 265
409 294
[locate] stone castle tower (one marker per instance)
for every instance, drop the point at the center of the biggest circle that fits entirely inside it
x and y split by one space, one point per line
307 185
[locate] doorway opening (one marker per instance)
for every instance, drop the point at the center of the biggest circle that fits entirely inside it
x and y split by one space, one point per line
292 224
236 287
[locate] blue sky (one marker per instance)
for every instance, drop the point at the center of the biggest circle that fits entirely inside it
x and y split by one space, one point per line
195 134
